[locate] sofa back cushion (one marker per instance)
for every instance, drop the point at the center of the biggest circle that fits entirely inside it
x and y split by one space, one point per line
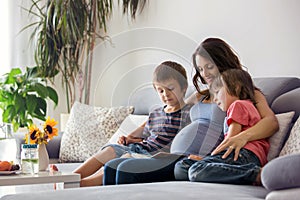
288 102
273 87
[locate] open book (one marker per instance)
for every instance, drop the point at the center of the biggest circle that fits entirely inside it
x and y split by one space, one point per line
167 155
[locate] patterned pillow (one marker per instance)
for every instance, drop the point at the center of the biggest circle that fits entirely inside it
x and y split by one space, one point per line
292 144
88 129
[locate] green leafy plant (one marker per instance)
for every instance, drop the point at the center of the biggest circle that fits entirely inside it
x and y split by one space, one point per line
65 34
23 97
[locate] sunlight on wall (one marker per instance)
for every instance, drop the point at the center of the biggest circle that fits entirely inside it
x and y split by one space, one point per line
4 37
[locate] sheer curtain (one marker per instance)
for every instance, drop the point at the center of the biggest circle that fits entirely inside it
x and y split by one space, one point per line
4 38
16 49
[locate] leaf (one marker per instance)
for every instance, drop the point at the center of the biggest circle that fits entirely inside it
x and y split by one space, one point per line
52 95
19 103
40 89
12 75
41 108
8 114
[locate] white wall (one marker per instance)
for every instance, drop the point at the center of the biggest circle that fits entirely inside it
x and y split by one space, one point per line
265 34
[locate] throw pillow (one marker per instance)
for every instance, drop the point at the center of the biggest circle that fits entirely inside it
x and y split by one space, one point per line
88 129
292 144
282 173
130 123
277 139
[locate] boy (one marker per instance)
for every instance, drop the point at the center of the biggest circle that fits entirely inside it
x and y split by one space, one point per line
170 83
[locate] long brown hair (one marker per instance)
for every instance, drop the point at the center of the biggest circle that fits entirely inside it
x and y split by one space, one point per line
237 82
219 53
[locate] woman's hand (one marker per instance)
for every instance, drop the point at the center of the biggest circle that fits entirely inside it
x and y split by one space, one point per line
234 143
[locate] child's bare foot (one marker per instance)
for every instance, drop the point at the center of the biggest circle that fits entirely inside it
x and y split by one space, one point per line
195 157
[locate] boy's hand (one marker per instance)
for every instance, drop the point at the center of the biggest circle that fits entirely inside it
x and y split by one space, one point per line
194 157
122 140
126 140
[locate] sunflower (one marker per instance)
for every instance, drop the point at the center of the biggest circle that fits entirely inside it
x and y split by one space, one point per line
33 135
49 128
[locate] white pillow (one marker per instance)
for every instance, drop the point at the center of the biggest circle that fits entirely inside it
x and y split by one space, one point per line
88 129
277 139
130 123
292 144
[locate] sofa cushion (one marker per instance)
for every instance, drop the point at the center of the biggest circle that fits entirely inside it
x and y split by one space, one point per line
280 104
292 144
88 129
277 139
273 87
176 190
288 194
282 173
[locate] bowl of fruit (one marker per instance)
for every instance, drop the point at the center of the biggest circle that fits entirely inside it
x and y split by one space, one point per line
7 167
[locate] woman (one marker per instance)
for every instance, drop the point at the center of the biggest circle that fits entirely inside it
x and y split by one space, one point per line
233 92
212 57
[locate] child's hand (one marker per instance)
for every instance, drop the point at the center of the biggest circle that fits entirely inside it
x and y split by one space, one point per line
122 140
194 157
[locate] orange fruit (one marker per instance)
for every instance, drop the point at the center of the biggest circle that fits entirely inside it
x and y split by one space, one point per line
5 166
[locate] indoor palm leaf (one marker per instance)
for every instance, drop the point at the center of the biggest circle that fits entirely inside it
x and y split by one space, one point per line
65 34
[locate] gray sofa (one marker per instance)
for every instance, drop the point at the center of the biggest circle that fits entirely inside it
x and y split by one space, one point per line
283 95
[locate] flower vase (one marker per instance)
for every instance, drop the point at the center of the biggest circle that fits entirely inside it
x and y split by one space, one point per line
43 157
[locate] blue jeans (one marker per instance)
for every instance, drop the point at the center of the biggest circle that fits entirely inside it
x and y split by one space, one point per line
215 169
138 170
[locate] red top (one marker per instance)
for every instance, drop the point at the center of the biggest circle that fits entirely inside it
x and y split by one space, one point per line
245 113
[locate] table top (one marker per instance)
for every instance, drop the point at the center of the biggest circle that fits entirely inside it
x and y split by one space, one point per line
41 177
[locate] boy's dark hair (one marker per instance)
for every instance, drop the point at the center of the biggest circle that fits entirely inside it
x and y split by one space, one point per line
170 70
237 82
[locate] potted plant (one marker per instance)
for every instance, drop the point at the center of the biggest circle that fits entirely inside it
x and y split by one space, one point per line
23 97
65 34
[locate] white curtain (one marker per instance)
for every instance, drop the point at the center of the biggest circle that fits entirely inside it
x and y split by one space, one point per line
16 49
4 41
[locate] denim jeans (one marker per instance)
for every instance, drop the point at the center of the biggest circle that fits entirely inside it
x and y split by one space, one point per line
138 170
218 170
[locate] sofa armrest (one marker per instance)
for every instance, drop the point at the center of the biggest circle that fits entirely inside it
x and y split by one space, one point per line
282 173
53 145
